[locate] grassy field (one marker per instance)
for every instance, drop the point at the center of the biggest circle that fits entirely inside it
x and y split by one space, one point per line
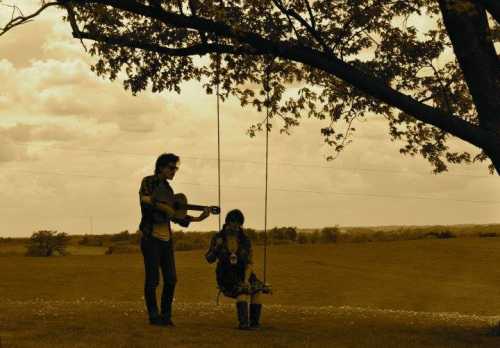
422 293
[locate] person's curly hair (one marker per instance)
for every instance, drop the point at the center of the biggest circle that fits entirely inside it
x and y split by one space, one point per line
235 215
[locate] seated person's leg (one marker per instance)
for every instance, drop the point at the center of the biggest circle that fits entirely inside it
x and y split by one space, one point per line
255 310
242 311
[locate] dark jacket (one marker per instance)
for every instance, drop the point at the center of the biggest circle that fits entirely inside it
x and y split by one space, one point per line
226 272
160 191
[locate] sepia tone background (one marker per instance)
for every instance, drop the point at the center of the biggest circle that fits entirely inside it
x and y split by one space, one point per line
74 147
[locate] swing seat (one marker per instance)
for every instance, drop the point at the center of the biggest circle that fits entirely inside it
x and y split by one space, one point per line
262 287
267 289
258 287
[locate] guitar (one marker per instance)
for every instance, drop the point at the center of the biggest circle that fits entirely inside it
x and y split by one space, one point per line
181 206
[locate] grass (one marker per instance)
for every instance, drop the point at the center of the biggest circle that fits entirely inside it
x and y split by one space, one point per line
422 293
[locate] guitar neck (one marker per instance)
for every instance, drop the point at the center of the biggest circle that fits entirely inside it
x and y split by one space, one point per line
195 207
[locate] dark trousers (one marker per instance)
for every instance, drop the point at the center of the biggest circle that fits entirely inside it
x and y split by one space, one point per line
158 255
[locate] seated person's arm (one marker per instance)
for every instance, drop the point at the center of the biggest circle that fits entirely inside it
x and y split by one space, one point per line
249 266
213 249
248 272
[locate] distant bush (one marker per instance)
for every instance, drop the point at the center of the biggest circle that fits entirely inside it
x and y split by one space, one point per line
122 236
314 237
329 234
261 237
282 242
252 234
487 234
47 243
446 235
186 244
442 234
283 233
89 240
191 240
276 234
302 238
122 248
136 237
290 234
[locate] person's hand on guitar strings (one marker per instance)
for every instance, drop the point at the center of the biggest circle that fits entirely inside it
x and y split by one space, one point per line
205 213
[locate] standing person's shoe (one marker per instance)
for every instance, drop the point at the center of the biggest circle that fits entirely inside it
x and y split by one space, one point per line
242 310
168 322
157 321
255 310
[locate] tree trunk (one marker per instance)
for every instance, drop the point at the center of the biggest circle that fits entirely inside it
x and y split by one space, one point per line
495 158
467 26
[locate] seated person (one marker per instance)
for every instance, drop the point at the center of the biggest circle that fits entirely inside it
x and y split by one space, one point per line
233 250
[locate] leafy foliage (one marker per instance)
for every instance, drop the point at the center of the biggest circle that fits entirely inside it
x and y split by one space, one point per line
256 51
47 243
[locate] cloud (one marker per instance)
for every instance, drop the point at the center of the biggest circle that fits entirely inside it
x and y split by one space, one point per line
69 89
10 152
77 145
22 132
21 45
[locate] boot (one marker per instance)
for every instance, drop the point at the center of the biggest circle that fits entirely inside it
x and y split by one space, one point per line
242 310
255 309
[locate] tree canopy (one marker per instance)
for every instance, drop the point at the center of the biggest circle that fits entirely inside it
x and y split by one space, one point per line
429 67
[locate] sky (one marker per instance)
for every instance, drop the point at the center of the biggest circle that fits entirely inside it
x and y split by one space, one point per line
74 148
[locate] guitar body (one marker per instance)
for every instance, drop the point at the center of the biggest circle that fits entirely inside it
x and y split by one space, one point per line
179 203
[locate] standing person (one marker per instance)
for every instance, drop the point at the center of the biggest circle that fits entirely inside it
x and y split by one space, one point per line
232 248
156 196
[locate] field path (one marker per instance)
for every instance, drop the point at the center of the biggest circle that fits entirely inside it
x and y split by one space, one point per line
84 323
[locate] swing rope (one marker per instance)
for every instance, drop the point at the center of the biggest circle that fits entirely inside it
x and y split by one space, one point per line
267 88
267 176
218 134
217 74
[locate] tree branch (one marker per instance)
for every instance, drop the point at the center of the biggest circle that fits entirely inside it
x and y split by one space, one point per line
329 63
73 23
282 8
311 14
492 6
193 7
200 49
366 83
19 20
309 27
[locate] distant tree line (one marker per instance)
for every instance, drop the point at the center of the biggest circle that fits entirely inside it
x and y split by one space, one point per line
117 243
47 243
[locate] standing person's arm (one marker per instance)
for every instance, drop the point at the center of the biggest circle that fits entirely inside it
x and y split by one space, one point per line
188 219
145 192
205 213
164 207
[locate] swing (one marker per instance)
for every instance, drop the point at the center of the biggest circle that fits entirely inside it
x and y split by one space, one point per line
264 287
